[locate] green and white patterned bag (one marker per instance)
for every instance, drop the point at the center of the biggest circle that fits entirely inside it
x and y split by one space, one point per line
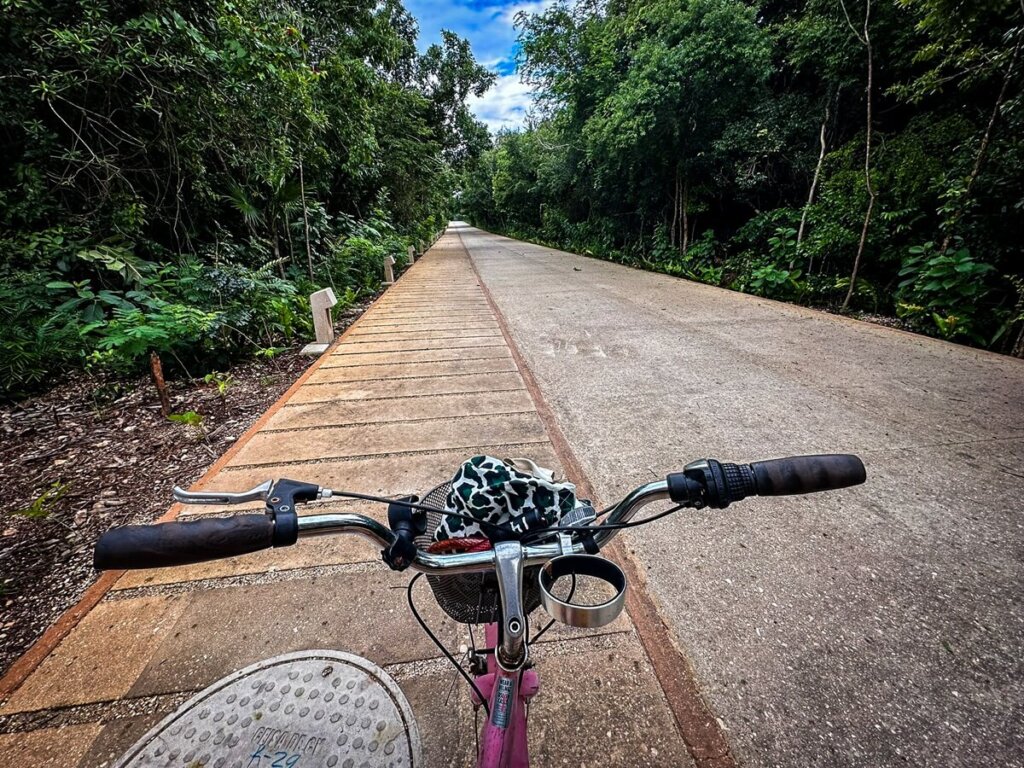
497 492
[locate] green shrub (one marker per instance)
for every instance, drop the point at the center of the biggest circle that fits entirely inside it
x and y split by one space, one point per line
699 263
772 281
35 343
865 294
942 291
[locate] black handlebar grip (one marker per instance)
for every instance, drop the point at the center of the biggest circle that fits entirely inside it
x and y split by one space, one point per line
167 544
807 474
711 483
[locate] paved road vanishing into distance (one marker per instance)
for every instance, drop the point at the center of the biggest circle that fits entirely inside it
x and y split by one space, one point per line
877 626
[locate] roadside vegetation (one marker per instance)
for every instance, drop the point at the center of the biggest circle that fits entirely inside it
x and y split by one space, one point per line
859 155
176 179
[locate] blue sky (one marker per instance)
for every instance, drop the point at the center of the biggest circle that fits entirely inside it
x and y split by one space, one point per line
488 25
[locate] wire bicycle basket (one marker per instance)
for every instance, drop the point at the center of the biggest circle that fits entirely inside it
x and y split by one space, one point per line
470 598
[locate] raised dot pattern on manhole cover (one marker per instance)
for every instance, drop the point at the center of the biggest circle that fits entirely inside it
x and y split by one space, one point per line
312 709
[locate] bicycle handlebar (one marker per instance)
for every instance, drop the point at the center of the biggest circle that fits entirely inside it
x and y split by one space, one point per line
807 474
702 483
714 484
174 543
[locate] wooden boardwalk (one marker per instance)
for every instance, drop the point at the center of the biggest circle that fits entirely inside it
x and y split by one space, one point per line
423 380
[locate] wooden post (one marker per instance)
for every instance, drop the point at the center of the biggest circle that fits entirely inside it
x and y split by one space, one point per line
156 369
321 303
412 254
389 270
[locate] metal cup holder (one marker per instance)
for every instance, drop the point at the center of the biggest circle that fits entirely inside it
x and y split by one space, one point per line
574 614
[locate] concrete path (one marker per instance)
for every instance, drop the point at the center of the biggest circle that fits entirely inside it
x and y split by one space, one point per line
877 626
422 381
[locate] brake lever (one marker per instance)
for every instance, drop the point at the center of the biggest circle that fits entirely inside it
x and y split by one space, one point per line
259 493
281 497
289 488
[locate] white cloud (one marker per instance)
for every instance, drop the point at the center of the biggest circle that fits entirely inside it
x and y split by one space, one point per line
490 29
508 13
505 105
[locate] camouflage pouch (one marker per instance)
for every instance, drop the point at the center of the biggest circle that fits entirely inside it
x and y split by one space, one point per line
494 491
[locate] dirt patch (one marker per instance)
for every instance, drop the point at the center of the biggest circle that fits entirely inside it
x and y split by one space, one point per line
95 452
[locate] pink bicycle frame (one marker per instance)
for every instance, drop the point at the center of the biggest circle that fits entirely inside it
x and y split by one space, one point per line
508 684
503 742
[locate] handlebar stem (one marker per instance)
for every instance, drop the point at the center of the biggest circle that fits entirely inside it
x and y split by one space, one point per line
508 562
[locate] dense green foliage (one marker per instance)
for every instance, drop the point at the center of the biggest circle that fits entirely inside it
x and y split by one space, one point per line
864 154
177 178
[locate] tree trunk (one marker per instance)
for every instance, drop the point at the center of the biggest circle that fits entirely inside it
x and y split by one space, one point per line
277 251
983 148
305 221
686 215
675 211
157 370
1018 347
810 195
866 40
288 236
1018 350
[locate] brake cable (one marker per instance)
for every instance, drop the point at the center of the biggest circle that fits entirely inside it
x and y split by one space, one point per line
530 535
604 526
445 651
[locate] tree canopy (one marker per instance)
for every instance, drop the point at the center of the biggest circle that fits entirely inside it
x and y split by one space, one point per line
177 177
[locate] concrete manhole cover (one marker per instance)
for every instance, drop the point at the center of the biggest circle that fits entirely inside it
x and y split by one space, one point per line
312 709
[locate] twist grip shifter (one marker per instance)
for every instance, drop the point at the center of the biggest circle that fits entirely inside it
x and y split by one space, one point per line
711 483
